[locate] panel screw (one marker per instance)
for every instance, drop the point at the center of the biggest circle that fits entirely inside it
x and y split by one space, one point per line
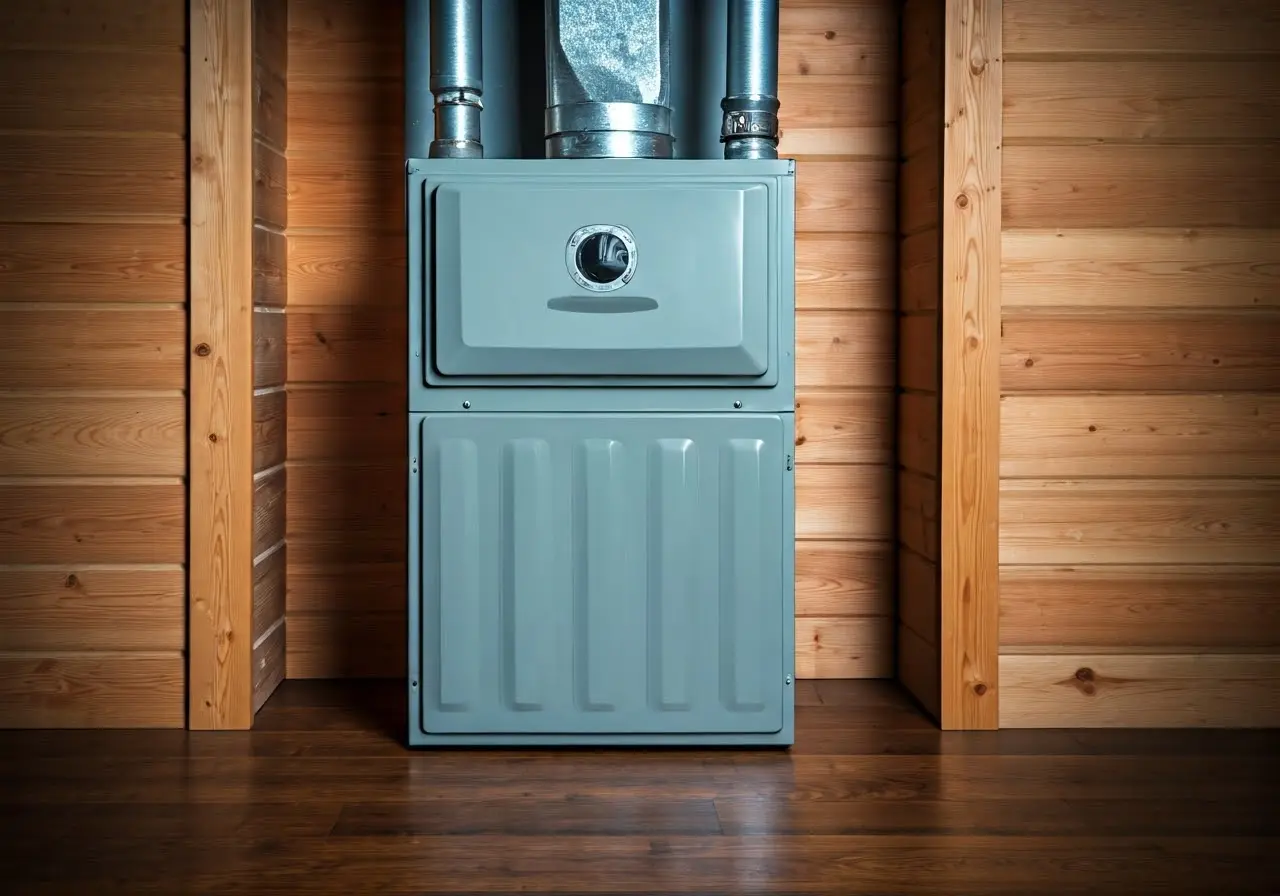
788 679
413 684
737 404
466 405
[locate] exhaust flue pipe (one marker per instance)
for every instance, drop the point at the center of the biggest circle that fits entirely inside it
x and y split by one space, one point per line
749 128
457 79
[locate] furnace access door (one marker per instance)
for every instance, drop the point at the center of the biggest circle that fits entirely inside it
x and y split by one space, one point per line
654 279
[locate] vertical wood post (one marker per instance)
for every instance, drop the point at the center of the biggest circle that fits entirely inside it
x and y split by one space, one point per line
969 475
220 678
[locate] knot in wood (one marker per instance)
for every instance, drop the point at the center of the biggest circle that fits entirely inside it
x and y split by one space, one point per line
203 350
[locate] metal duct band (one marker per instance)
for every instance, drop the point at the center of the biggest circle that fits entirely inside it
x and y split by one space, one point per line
609 130
608 79
457 78
749 127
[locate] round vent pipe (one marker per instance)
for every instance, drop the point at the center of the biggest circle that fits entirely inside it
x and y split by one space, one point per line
749 127
457 78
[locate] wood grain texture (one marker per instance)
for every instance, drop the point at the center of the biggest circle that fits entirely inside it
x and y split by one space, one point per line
1151 26
919 608
220 691
1163 691
344 40
1139 521
844 272
73 607
269 590
270 268
354 268
93 263
844 501
853 348
920 286
1140 435
270 354
919 347
844 647
146 26
918 432
269 509
91 521
322 588
1117 185
918 513
55 178
104 435
333 117
270 186
973 182
1136 268
857 37
269 664
346 345
349 421
1132 608
1191 351
92 690
844 427
127 347
842 578
918 190
270 429
91 90
919 670
271 69
855 196
1161 99
346 645
364 193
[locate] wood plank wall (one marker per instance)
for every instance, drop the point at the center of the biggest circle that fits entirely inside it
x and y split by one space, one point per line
270 362
919 330
1140 511
93 125
346 299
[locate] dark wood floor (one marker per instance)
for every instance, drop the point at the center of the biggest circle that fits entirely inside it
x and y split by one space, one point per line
322 798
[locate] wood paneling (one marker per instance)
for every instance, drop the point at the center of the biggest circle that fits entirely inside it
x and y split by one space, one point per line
269 588
1139 521
270 438
92 690
918 352
1139 429
844 647
270 267
918 432
919 670
918 512
1187 351
116 435
93 263
270 356
1140 435
1151 100
70 608
1116 185
1137 268
93 336
919 286
346 337
74 520
269 509
836 427
1137 26
222 336
972 187
127 347
270 183
918 605
269 663
1162 691
1127 608
57 177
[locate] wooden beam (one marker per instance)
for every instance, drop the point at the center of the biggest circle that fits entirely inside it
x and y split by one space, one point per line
220 691
970 463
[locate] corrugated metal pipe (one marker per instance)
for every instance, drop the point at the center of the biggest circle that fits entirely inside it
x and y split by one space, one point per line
749 128
457 78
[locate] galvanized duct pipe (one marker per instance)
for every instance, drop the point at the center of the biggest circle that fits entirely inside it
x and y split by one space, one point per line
749 129
457 78
608 79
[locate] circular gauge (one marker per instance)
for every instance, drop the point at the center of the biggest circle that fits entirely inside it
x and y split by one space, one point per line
601 257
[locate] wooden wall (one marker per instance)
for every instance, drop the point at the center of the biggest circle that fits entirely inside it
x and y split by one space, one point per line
346 300
919 330
1140 507
93 234
270 362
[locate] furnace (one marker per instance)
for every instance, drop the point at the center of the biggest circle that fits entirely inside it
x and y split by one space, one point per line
601 375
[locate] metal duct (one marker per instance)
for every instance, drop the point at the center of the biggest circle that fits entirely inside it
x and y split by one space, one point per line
608 79
749 129
457 78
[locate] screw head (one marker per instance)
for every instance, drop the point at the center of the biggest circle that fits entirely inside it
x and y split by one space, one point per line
466 405
737 404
